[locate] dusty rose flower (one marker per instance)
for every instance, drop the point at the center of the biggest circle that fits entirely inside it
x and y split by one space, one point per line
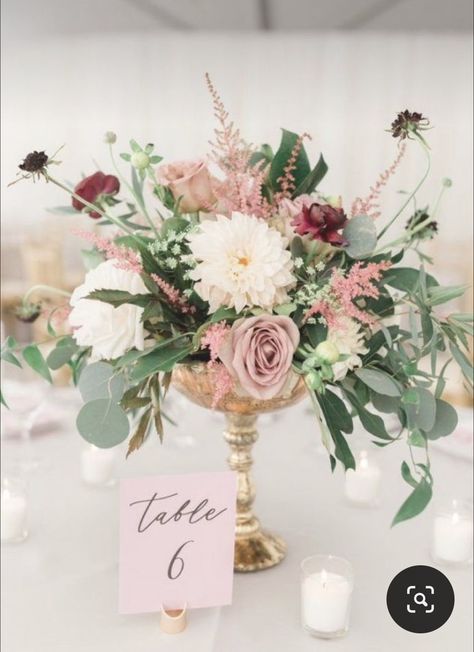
92 187
189 181
322 222
258 353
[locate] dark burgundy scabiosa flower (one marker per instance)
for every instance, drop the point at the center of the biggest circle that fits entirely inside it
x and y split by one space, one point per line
408 122
94 189
429 229
34 162
322 222
28 312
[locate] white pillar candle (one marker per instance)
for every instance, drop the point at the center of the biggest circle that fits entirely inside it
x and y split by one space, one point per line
325 603
452 537
97 465
13 516
362 484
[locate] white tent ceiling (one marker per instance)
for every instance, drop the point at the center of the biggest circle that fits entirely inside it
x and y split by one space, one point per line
28 18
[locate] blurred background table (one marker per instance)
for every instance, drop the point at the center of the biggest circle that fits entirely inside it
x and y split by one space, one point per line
60 585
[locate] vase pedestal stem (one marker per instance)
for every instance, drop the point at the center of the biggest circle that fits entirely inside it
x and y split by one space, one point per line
255 549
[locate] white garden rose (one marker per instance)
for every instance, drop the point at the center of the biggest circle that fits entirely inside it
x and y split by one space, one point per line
110 331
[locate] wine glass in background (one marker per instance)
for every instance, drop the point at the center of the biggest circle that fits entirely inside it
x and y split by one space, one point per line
176 409
25 395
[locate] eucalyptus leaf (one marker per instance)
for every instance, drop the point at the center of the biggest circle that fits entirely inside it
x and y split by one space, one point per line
98 381
378 381
361 234
62 353
103 423
407 279
445 422
415 503
441 294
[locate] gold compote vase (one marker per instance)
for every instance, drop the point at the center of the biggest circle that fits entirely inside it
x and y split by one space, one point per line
255 549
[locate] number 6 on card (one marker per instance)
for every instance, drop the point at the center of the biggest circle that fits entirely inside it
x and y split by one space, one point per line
176 541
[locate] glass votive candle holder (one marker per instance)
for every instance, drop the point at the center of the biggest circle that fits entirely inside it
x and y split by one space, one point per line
13 511
362 484
453 533
98 466
326 592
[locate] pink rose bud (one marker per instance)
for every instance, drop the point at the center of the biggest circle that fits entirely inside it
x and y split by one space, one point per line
190 182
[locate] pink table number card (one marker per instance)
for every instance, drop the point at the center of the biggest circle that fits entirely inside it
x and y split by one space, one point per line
176 541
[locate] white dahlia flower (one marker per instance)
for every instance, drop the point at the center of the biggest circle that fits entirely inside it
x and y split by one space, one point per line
349 340
241 262
110 331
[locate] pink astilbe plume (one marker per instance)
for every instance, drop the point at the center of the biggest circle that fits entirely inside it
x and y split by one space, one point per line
241 190
223 383
174 296
369 205
126 258
287 181
213 339
358 284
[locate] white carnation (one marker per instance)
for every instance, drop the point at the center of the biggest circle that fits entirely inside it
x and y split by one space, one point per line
242 262
110 331
349 340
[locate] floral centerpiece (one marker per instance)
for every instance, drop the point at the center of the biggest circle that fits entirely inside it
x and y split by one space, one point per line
239 261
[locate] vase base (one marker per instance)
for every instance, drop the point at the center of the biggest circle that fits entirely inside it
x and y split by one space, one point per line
258 551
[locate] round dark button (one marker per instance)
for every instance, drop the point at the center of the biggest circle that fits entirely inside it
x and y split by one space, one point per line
420 599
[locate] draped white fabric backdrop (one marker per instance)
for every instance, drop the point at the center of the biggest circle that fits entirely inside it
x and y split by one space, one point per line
344 89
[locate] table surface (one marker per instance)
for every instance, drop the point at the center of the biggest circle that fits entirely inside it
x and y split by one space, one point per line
60 585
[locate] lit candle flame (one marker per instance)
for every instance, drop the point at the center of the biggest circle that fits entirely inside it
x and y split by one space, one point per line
455 518
363 460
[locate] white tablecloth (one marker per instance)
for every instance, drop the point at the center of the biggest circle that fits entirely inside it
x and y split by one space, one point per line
60 586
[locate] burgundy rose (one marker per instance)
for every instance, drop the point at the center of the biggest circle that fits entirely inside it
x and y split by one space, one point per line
94 187
322 222
258 353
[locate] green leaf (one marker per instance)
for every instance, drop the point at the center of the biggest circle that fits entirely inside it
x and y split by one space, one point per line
361 234
222 314
407 475
134 146
62 353
415 503
445 422
162 358
385 404
336 411
313 179
341 448
10 357
34 358
98 381
141 432
125 156
443 294
103 423
280 161
379 382
371 422
406 279
285 309
416 438
463 362
422 412
118 298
